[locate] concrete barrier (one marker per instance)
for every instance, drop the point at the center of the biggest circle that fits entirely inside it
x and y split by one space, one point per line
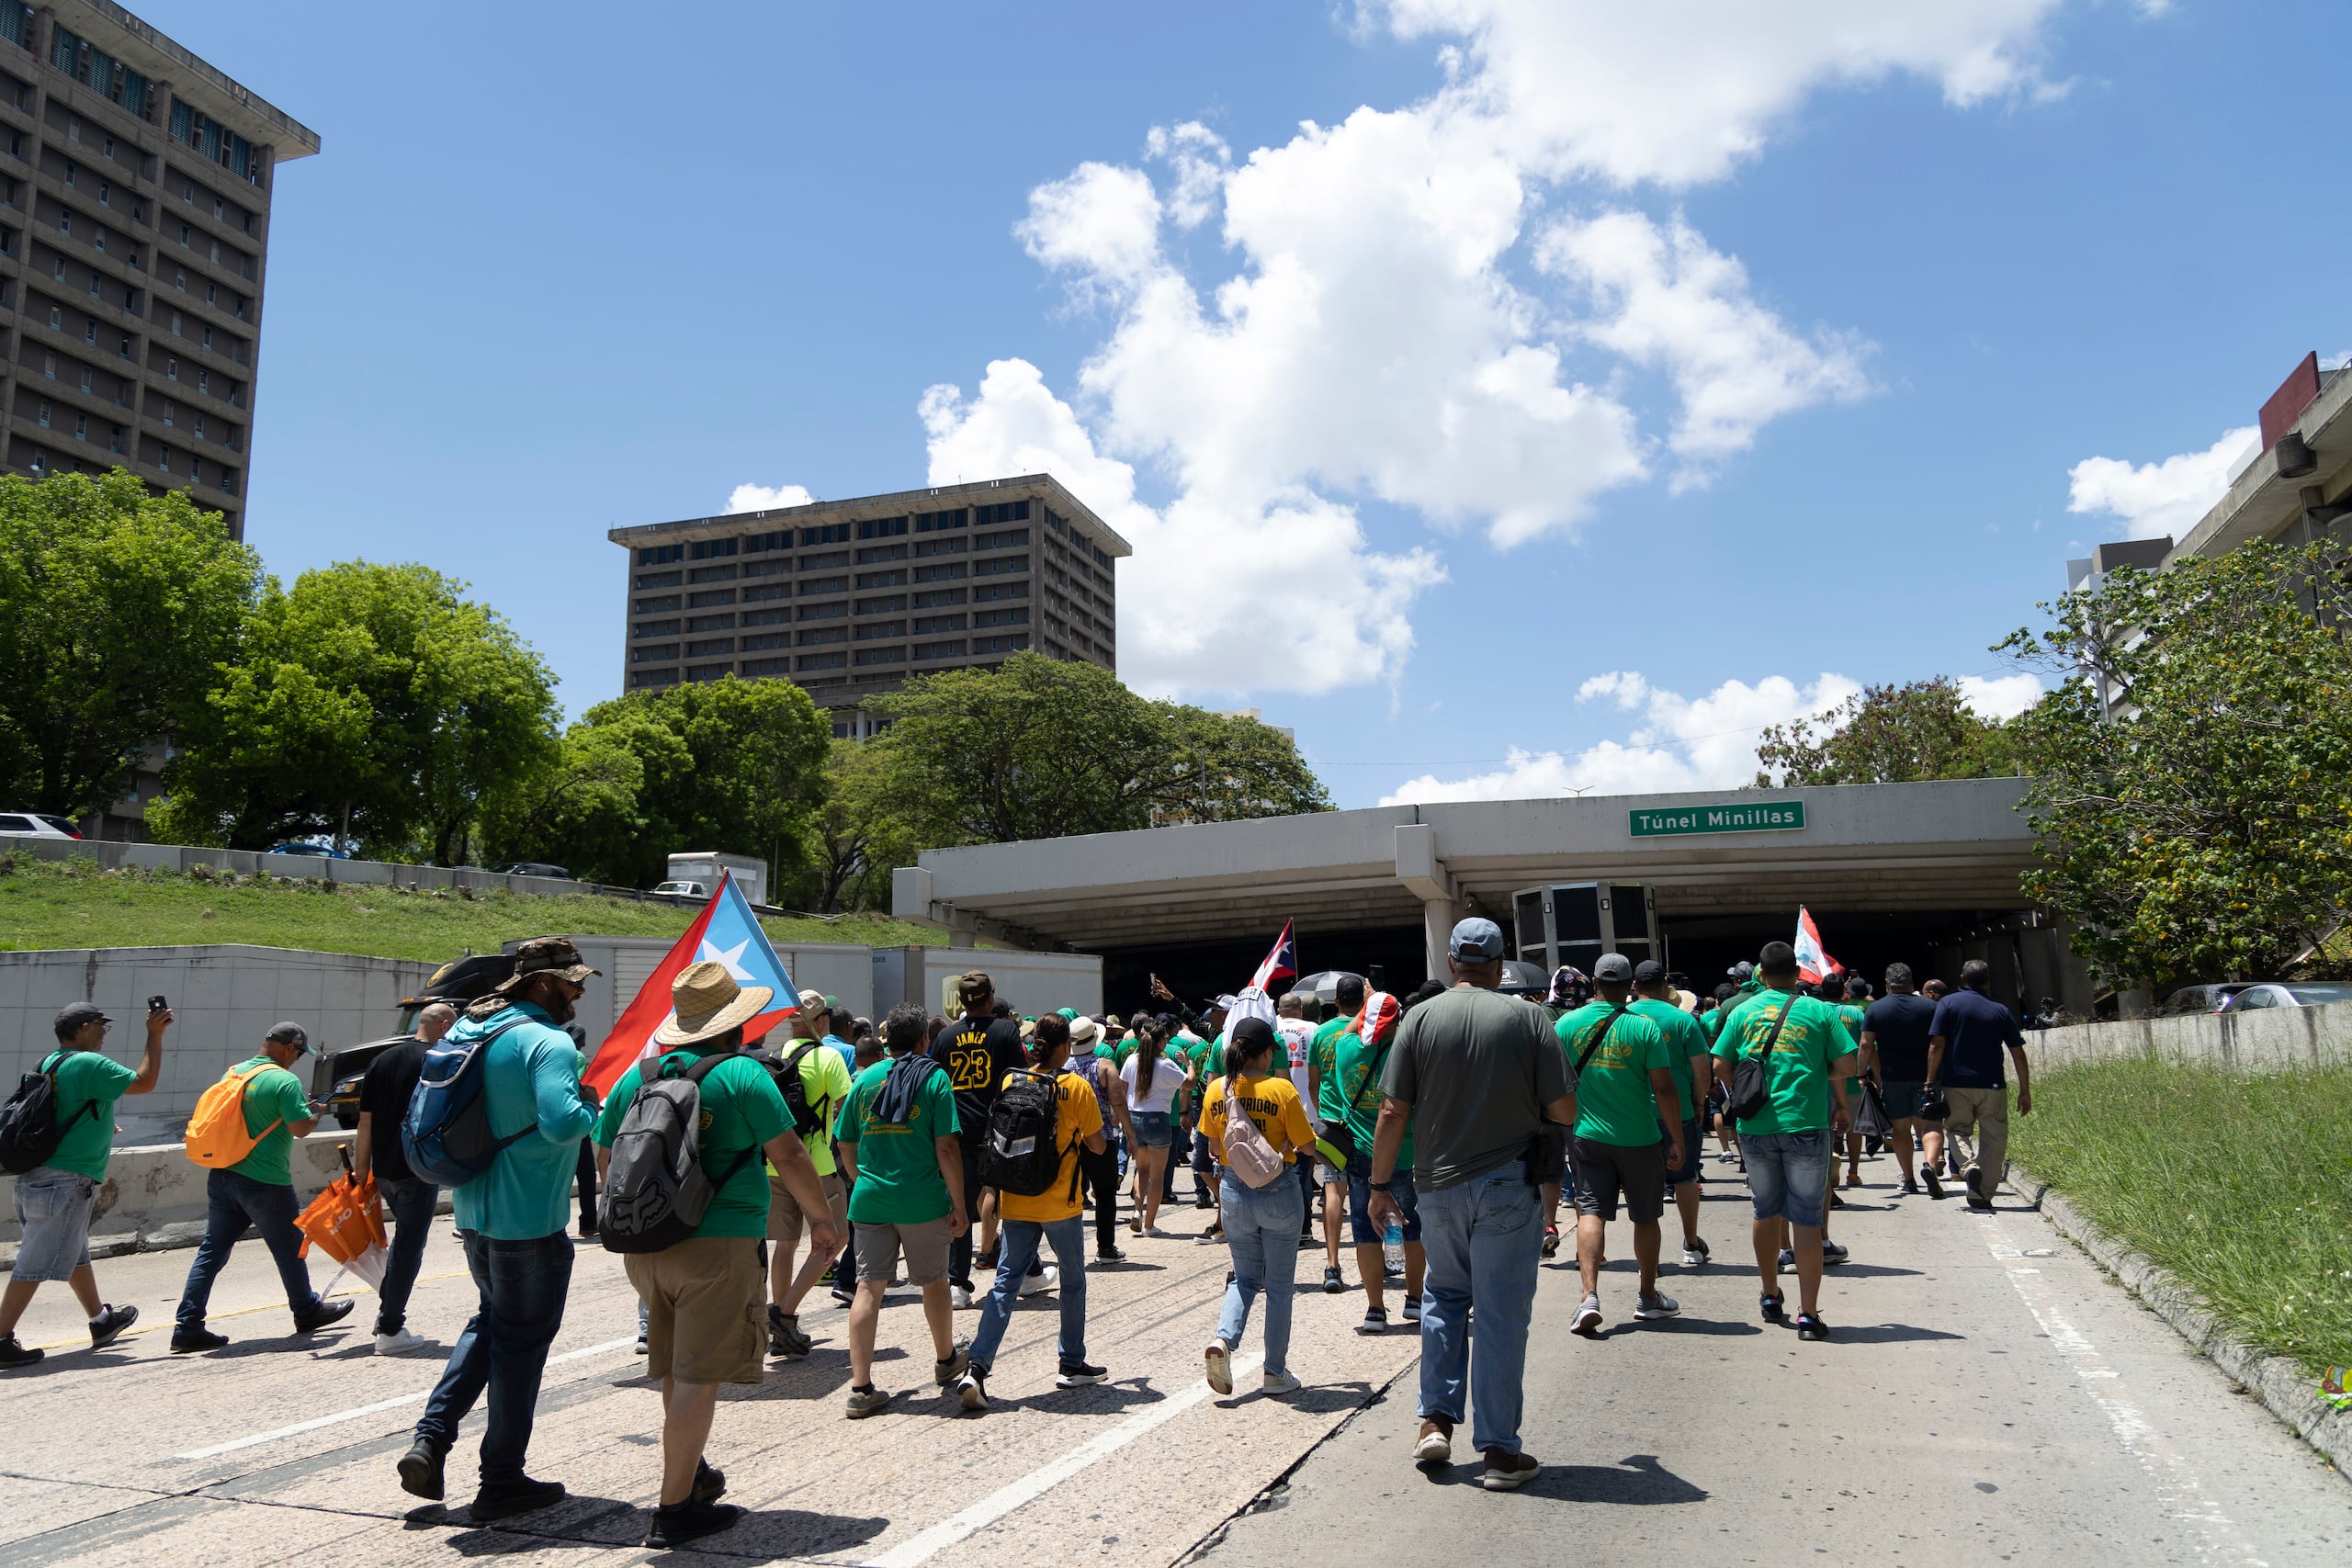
2266 1040
114 855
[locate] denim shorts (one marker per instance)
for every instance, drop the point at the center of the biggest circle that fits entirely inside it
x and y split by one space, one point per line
54 1208
1788 1175
1153 1130
1900 1099
1401 1188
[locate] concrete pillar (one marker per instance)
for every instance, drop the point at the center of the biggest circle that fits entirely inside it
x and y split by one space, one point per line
2038 952
1438 917
2076 990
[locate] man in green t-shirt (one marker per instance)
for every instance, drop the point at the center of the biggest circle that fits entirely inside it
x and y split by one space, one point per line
257 1192
824 1083
56 1199
1323 1108
702 1293
1353 1088
1687 1050
900 1149
1624 1099
1807 1055
1855 997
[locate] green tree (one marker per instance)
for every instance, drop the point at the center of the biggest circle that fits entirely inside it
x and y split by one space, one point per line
2204 828
115 608
1922 729
860 832
578 807
1042 748
377 696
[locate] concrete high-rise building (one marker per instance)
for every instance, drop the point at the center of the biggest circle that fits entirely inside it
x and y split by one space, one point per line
848 598
135 186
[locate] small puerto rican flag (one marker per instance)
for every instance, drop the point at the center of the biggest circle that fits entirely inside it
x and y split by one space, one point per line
1814 963
1282 964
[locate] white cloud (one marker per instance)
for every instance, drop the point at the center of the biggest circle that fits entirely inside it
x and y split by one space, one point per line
1101 222
2000 696
766 498
1201 161
2161 499
1677 743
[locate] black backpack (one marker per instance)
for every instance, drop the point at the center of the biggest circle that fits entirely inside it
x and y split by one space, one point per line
1021 1156
794 1089
1750 1088
656 1191
28 1131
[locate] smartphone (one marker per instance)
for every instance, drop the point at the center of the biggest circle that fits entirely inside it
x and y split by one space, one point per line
157 1004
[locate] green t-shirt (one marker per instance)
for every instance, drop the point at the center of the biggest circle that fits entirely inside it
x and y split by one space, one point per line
1797 1074
273 1095
742 1109
1354 1085
824 1083
91 1078
1322 1058
1852 1017
1615 1103
898 1162
1684 1040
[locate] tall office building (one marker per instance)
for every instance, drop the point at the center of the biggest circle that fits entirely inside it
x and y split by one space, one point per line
848 598
135 183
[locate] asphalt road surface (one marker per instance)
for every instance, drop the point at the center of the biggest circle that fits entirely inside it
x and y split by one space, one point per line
1989 1397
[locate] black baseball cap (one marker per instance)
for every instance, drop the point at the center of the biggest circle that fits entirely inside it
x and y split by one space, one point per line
75 1017
1648 972
289 1034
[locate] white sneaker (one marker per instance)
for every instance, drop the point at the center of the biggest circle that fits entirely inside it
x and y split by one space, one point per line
401 1344
1695 1254
1036 1284
1279 1384
1219 1365
960 1298
1588 1318
1655 1304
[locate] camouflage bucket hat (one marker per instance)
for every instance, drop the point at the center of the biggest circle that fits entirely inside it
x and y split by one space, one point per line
542 955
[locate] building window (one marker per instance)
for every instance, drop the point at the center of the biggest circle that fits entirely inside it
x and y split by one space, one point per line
208 337
838 609
64 222
90 332
114 441
924 650
1006 512
660 555
203 382
711 622
184 229
41 417
932 522
662 654
817 586
48 366
827 534
163 459
710 596
932 596
81 427
180 279
709 646
171 367
171 415
881 527
760 543
881 552
658 580
711 574
754 668
881 656
649 606
881 631
817 636
709 549
999 644
199 424
1017 615
1011 539
881 578
938 623
821 661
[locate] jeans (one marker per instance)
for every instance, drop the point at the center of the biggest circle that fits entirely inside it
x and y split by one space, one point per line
1204 1157
234 1203
1788 1176
503 1348
1484 1237
959 1251
1102 1179
1262 1226
410 1202
1017 1250
53 1207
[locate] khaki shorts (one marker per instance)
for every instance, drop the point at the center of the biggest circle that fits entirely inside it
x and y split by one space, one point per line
703 1304
786 1220
926 1245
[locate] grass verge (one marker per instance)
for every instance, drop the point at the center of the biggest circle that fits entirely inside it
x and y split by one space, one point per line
2240 1187
49 904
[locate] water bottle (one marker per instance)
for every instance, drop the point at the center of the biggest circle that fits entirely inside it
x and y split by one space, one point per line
1392 1246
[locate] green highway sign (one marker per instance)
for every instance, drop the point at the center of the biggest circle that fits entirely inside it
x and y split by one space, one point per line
1758 816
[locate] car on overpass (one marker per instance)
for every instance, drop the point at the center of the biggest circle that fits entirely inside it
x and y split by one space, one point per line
2288 994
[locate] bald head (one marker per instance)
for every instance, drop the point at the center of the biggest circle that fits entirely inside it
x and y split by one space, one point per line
436 1021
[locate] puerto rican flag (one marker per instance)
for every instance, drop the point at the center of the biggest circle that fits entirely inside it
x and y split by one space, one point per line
1814 963
1282 964
726 930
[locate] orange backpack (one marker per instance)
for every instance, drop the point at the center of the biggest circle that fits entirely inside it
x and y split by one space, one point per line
216 1135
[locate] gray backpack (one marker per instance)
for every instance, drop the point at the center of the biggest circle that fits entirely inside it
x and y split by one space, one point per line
656 1191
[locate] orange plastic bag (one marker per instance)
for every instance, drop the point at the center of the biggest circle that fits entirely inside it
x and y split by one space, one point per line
346 1223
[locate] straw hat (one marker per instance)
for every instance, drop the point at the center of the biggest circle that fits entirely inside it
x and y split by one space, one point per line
705 1001
1084 1034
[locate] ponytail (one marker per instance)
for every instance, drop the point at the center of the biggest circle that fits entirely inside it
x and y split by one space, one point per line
1148 1044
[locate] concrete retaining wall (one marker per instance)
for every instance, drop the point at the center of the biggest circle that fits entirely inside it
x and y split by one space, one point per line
2266 1040
182 857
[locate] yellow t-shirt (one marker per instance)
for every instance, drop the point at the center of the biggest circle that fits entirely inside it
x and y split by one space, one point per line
1077 1118
1272 1106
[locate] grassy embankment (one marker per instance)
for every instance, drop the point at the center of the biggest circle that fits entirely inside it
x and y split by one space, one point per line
46 904
2241 1186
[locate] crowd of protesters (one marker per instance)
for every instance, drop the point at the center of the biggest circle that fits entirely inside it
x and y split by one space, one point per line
1440 1129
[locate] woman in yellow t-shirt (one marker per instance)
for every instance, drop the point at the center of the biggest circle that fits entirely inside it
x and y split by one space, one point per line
1261 1224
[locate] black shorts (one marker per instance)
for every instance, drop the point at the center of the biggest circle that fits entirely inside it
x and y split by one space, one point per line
1605 1170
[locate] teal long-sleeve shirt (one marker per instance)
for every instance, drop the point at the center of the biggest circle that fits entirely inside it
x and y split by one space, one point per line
531 1075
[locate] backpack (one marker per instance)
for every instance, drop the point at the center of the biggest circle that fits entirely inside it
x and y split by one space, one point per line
1020 1155
656 1191
216 1136
1247 1152
28 1131
447 1133
794 1089
1749 1088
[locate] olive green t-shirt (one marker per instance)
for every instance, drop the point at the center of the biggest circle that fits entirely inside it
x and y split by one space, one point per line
1615 1102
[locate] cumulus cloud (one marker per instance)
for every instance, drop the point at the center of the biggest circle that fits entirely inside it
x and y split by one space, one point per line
1101 224
765 497
1675 743
2000 696
1200 160
2167 498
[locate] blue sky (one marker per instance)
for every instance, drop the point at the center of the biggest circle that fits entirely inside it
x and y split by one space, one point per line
1589 386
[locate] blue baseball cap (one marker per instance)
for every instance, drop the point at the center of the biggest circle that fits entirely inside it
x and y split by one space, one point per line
1476 940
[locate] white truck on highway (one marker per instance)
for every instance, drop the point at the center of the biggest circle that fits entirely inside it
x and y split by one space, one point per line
694 875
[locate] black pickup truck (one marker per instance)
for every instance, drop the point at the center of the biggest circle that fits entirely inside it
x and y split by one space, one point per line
334 1078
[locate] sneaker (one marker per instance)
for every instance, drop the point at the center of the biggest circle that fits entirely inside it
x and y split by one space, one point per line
1910 1187
1980 1203
1202 1200
1135 1226
1587 1320
710 1483
1771 1308
1333 1284
1219 1365
1213 1234
504 1499
1375 1321
1393 1270
1275 1384
1788 1258
14 1355
674 1524
1510 1472
1551 1241
1695 1254
401 1342
972 1388
1113 1256
323 1314
985 1261
946 1373
1655 1304
1412 1312
642 1347
419 1470
1831 1252
1436 1445
588 1227
184 1341
1080 1374
1810 1327
843 1296
108 1326
1038 1283
961 1299
1935 1186
785 1337
865 1401
1835 1202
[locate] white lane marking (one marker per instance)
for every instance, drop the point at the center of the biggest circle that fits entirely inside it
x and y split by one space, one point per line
921 1548
2176 1486
393 1404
